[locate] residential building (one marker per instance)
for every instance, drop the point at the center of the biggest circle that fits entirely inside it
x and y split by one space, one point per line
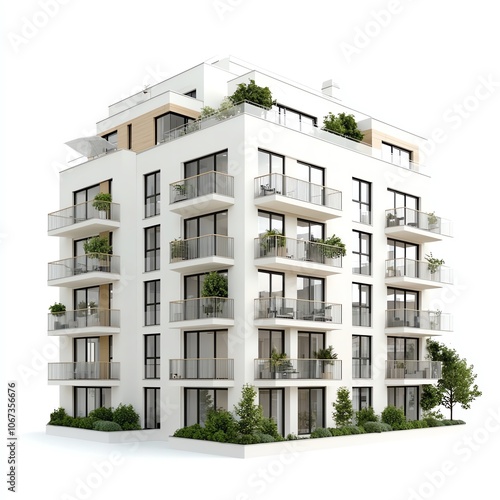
251 194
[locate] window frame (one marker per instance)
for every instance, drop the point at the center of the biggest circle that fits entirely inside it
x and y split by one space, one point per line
156 303
153 254
358 253
155 197
360 203
156 357
357 368
361 305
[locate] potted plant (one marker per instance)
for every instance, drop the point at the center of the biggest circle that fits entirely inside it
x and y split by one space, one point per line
398 369
102 203
278 363
180 191
432 220
327 355
57 309
390 219
214 288
273 243
433 264
98 247
177 250
332 247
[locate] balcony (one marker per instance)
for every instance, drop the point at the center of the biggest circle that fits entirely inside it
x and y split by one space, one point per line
83 220
208 192
281 193
412 372
401 322
90 321
416 227
211 252
416 275
288 254
302 369
297 313
84 371
83 271
202 369
200 312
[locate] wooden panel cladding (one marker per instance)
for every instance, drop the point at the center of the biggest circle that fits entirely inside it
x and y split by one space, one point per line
104 296
374 138
143 127
104 186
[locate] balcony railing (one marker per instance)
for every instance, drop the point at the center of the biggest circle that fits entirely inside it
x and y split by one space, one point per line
412 318
413 369
74 266
420 220
210 245
299 369
409 268
297 189
297 309
201 308
200 185
299 250
81 370
84 318
202 368
361 368
82 212
273 116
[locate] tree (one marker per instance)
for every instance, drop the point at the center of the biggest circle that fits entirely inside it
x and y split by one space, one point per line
249 413
342 124
342 408
253 93
457 383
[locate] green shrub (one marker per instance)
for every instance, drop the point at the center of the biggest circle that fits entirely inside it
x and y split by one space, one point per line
264 438
269 426
220 426
320 432
195 431
126 417
58 416
246 439
377 427
366 415
404 426
292 437
433 422
102 413
106 426
393 416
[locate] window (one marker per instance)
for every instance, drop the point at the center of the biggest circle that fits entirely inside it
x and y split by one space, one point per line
296 119
191 93
152 248
88 307
403 258
405 207
269 220
361 398
396 155
201 348
152 194
202 179
129 136
151 408
88 350
112 137
310 173
82 200
152 356
197 402
167 122
361 304
270 340
309 230
86 399
193 284
361 356
309 343
361 201
309 288
402 348
406 398
311 413
152 302
199 233
361 253
400 304
270 163
272 402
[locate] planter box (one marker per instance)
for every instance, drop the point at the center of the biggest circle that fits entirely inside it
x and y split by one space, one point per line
105 437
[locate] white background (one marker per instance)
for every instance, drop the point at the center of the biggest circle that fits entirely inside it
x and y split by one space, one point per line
420 65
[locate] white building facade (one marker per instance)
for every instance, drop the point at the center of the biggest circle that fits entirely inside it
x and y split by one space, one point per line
190 197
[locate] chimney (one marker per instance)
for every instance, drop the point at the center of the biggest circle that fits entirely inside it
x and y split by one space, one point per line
331 88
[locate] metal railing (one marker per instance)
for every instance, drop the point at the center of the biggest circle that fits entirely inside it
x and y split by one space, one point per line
74 266
273 115
82 212
84 318
361 368
299 250
209 245
428 320
424 369
202 184
417 269
82 370
297 189
403 216
202 368
297 309
201 308
300 368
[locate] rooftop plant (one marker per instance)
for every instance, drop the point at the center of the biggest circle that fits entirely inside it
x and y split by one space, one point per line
342 124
